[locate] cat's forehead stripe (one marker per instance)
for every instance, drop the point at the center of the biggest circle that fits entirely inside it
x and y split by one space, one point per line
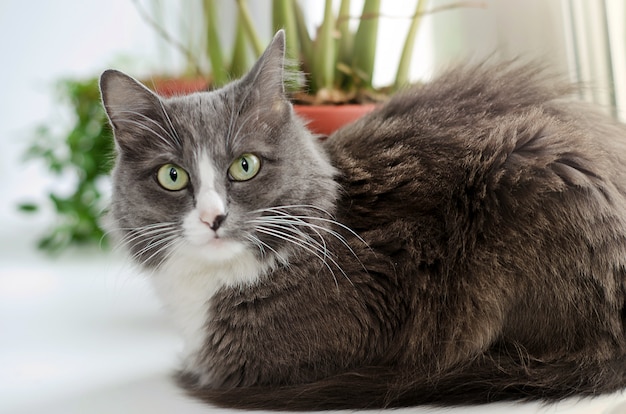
206 171
209 202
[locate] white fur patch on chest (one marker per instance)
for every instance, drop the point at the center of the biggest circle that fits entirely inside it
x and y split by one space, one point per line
186 285
204 262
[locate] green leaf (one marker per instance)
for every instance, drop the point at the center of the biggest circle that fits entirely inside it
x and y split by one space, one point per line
214 46
239 61
304 40
324 50
283 17
248 25
344 50
402 74
365 41
28 207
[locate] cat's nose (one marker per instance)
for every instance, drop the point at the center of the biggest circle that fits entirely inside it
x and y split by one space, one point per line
217 222
211 209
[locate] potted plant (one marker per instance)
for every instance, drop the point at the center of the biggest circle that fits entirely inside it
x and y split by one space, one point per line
206 63
83 150
337 62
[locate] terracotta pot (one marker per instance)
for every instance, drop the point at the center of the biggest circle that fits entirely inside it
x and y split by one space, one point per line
322 119
168 87
326 119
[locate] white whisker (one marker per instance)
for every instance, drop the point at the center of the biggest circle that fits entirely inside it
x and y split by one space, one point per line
234 115
306 246
238 135
300 220
321 250
281 210
164 244
147 118
156 242
292 227
148 129
170 125
231 123
171 249
261 245
257 243
283 213
152 240
145 232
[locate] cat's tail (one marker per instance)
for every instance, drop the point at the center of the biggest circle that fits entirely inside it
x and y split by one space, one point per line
483 381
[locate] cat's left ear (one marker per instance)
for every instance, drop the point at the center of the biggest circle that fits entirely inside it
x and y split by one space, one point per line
124 97
268 73
128 104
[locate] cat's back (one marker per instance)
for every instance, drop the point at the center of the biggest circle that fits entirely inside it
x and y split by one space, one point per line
490 171
488 136
492 177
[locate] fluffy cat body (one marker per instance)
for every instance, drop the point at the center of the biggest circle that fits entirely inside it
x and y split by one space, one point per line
464 243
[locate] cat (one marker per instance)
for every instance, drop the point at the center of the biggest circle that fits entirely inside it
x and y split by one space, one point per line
463 243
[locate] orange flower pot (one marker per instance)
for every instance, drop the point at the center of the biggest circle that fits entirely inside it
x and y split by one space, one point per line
169 87
326 119
321 119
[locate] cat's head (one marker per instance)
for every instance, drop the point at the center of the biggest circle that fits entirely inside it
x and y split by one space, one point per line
214 176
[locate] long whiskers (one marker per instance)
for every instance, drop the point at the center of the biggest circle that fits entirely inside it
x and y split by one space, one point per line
167 137
235 112
150 241
311 247
302 220
281 210
261 245
166 249
238 135
170 125
306 231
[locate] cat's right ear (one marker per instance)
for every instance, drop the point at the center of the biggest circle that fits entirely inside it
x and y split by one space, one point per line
267 76
125 100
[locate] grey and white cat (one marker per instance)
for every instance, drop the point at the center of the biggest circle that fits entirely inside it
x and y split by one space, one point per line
464 243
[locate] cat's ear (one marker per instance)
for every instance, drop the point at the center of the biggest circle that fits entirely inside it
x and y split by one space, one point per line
125 99
267 76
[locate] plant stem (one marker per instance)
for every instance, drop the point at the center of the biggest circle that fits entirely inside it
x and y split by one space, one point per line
191 59
283 17
344 50
324 67
365 43
214 48
239 59
304 40
402 75
248 25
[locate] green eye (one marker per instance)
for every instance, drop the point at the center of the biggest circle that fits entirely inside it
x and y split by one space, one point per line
172 177
244 168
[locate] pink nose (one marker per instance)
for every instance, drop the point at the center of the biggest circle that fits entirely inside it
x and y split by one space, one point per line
214 222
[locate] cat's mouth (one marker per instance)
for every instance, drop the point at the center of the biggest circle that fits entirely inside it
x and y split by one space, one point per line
211 240
218 242
220 249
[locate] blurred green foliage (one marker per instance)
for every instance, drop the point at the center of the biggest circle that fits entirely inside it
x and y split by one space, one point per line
85 151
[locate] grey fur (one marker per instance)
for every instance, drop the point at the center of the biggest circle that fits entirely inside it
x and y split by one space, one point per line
464 243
